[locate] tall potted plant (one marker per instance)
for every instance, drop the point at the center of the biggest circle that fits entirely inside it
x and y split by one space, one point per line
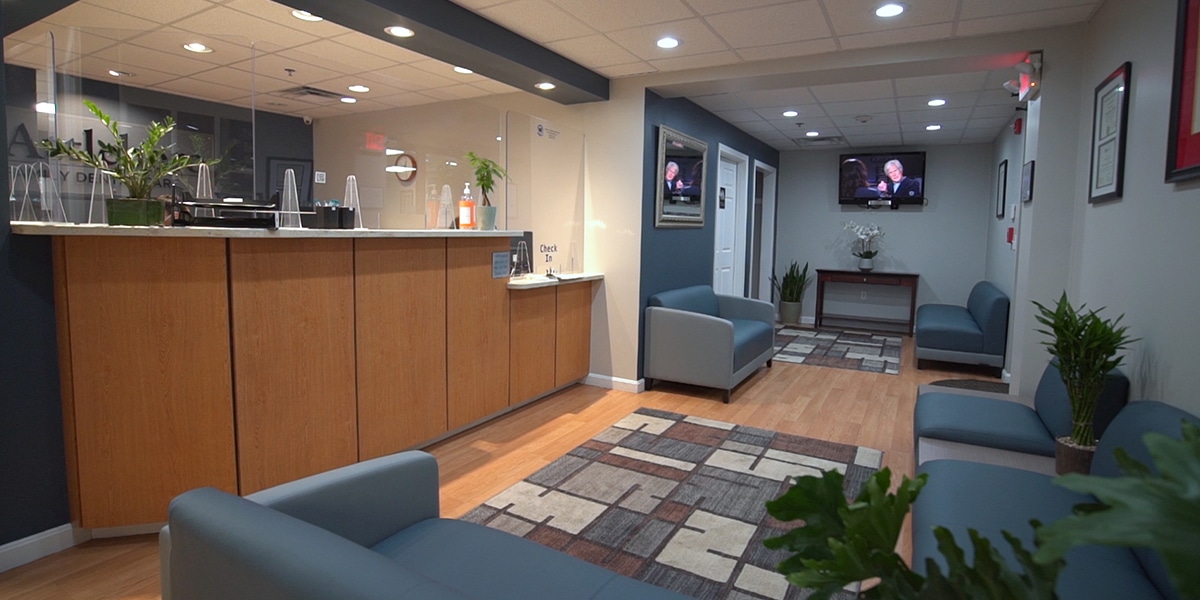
1086 347
486 174
139 167
791 292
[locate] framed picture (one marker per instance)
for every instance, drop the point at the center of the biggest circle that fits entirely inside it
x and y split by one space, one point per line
1001 187
1110 111
1027 182
680 187
1183 133
303 169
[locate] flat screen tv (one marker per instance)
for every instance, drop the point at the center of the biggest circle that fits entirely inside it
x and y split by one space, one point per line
882 179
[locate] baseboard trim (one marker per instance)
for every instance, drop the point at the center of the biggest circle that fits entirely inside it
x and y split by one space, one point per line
609 382
39 545
112 532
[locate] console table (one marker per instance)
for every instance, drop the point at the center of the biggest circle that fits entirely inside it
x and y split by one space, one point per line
908 280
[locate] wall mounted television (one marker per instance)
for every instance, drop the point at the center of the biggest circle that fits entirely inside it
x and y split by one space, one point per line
881 179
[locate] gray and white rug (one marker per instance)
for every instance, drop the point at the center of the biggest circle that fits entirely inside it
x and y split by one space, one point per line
675 501
854 350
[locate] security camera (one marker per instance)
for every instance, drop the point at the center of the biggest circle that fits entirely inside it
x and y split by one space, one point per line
307 120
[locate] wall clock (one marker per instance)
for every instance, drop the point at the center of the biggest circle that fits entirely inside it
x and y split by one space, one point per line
409 164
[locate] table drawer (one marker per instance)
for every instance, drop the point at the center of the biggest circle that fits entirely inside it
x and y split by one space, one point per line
865 279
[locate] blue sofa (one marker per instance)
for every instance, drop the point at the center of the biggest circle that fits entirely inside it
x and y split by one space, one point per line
365 531
962 495
696 336
975 334
1005 430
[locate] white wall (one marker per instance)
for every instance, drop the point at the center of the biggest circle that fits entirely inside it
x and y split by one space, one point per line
1137 255
946 242
1001 257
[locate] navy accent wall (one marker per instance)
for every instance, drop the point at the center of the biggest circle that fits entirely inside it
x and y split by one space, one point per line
679 257
33 481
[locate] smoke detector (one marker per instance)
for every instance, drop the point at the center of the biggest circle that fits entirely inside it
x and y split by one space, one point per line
863 118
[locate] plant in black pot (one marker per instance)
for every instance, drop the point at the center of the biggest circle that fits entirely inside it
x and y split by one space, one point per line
487 171
1086 347
139 167
791 292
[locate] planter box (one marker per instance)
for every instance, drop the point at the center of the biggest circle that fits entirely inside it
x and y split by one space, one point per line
137 211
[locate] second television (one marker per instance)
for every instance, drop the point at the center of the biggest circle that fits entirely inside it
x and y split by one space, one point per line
882 178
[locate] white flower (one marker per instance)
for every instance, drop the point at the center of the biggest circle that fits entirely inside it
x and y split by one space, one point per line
866 235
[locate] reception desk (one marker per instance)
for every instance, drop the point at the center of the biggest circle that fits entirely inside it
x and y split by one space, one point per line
241 359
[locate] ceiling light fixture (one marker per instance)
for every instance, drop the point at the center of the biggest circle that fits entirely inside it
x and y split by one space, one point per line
889 10
463 70
116 73
499 139
398 31
668 42
349 100
933 127
359 89
545 86
46 108
197 47
304 15
790 113
936 102
392 152
812 133
1013 86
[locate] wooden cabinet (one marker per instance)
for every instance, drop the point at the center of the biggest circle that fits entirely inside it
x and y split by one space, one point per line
293 349
533 343
476 330
400 325
573 332
145 365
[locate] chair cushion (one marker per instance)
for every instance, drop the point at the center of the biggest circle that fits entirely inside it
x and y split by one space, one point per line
989 308
947 327
963 495
750 340
488 563
981 422
697 298
1054 407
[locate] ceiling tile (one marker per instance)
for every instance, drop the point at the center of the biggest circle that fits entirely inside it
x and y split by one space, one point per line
779 24
226 49
757 127
343 57
537 20
410 77
794 49
277 65
341 85
226 21
393 52
858 16
868 141
898 36
611 15
195 88
742 115
997 96
698 61
882 125
862 90
799 99
86 16
455 92
954 100
934 115
694 38
97 68
716 102
989 123
712 7
153 10
406 99
1021 21
593 50
987 132
984 112
278 13
957 82
494 87
242 80
627 70
864 107
947 126
974 9
131 58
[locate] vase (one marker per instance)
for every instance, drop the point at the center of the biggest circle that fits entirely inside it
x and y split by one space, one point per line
1072 458
486 216
789 312
137 211
866 264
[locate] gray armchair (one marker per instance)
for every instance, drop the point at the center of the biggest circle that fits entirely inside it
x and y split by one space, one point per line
696 336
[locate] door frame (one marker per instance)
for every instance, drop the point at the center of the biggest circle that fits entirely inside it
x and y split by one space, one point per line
765 246
740 219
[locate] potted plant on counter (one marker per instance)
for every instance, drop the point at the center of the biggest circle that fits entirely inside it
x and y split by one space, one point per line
139 167
1086 347
486 174
791 292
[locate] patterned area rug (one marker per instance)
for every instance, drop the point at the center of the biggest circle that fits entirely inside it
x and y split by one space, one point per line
674 501
854 350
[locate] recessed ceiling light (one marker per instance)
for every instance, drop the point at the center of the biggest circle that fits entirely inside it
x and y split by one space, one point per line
116 73
937 102
889 10
392 152
934 127
545 86
790 113
359 89
197 47
812 133
398 31
46 108
499 139
304 15
451 163
349 100
463 70
667 43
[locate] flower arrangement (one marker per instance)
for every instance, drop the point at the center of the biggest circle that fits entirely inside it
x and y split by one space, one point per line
865 236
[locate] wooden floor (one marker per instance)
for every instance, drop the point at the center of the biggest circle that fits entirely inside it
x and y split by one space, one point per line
851 407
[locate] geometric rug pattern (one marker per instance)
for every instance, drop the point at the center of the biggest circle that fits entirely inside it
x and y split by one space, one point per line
675 501
854 350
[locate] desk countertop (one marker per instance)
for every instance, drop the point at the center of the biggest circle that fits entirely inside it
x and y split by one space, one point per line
35 228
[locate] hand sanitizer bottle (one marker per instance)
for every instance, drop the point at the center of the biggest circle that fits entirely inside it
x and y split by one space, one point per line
466 208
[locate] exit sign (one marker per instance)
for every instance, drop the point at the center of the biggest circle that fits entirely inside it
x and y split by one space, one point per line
375 141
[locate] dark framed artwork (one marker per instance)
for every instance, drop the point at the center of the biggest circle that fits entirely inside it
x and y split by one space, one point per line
1001 187
303 169
1110 112
680 188
1183 133
1027 182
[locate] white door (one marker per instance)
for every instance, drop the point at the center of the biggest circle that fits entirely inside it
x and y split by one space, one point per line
726 230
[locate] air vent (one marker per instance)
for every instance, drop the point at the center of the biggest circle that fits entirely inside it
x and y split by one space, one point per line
829 140
305 91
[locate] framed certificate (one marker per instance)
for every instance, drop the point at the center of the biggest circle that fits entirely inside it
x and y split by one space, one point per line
1110 111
